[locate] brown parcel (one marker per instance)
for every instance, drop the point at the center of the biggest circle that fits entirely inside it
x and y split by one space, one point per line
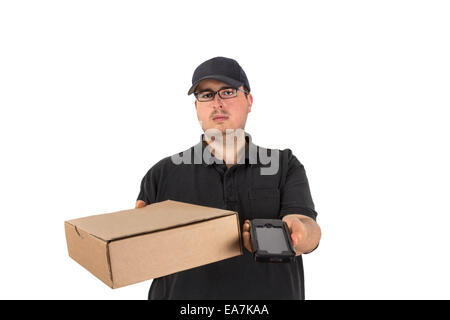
130 246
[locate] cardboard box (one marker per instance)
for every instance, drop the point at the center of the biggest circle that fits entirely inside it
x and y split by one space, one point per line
130 246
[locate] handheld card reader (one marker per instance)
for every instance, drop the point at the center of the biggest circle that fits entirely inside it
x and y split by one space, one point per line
271 241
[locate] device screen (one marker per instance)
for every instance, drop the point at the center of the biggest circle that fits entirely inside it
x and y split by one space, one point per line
271 239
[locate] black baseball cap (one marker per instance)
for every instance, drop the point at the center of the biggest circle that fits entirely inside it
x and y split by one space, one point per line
223 69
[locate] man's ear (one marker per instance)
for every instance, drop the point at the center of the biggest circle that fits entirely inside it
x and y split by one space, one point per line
250 102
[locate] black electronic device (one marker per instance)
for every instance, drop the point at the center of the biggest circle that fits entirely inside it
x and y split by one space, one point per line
271 241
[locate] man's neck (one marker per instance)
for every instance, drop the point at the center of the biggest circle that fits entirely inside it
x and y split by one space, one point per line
228 147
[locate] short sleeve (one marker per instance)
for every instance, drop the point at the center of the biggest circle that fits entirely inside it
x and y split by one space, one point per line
295 194
148 188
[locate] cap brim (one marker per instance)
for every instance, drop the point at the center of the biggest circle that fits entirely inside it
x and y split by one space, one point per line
219 77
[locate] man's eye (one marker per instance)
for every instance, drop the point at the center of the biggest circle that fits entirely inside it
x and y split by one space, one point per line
205 95
228 92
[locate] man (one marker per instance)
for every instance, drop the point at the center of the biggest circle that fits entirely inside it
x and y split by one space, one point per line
239 176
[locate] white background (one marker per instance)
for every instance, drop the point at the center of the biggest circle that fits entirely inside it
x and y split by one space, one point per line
93 93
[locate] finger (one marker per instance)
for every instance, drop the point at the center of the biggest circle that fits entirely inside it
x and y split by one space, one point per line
294 239
296 229
140 204
298 232
246 226
288 222
289 225
246 240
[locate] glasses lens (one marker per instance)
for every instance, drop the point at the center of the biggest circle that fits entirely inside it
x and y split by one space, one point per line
205 96
228 93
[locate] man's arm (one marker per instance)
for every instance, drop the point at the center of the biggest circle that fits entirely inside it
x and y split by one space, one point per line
305 233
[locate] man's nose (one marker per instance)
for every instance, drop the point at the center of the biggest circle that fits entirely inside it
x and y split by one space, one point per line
217 102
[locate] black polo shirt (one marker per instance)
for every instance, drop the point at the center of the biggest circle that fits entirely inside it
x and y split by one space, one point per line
206 181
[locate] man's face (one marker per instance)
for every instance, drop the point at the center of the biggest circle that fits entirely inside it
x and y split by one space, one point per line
235 110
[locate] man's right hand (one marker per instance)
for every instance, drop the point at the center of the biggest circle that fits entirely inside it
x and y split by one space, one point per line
140 204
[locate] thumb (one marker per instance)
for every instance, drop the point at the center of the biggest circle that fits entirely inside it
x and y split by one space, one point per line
294 239
140 204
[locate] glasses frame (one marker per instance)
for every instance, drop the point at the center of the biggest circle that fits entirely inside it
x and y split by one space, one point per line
217 92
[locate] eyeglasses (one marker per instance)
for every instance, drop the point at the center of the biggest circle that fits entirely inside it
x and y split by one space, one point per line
224 93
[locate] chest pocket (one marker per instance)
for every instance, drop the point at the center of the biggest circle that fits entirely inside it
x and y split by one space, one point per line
264 203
